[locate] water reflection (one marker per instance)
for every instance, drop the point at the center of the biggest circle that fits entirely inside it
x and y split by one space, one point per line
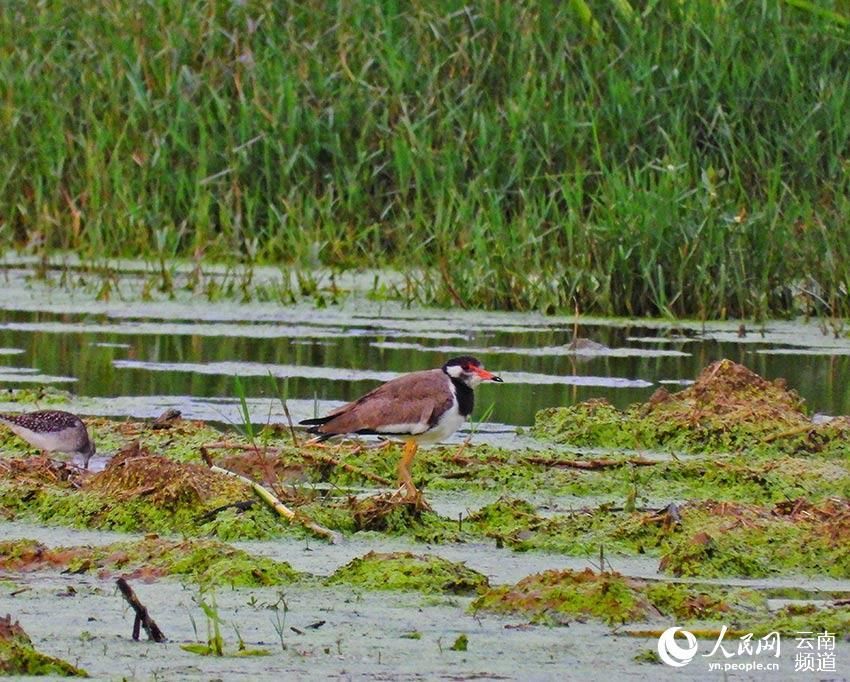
129 357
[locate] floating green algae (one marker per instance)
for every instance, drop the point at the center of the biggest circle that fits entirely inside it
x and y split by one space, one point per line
561 596
728 409
137 491
558 597
690 602
40 396
207 562
721 539
460 644
18 656
616 475
178 439
516 524
793 619
701 538
406 571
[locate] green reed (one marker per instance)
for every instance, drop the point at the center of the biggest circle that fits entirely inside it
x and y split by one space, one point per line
686 158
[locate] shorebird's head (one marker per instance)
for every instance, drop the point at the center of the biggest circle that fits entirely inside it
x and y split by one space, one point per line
87 452
468 370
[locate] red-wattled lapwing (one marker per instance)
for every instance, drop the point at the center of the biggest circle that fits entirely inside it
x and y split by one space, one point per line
422 407
52 431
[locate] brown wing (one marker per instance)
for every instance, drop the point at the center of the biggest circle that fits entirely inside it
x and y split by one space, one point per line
410 403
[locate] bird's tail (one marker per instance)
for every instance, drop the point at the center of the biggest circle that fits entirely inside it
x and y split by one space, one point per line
314 425
316 421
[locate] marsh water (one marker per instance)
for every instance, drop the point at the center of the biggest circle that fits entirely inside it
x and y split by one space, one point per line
122 356
138 357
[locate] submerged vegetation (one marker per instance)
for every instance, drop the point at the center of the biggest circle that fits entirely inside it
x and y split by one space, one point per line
675 158
706 539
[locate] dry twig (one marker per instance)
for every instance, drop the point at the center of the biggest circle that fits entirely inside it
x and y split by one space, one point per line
279 506
143 618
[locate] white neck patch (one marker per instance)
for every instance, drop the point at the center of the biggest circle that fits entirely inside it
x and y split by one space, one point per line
454 371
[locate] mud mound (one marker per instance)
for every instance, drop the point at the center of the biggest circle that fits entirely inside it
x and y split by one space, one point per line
727 389
728 538
406 571
25 555
729 408
791 510
136 472
832 510
383 512
268 468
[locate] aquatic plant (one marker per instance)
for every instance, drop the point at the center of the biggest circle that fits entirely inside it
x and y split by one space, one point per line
207 563
508 156
560 597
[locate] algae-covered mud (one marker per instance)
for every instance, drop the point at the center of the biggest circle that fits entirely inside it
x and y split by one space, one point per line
657 485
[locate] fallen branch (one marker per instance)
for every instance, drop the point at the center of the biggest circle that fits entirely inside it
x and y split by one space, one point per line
278 506
143 618
229 445
466 473
589 464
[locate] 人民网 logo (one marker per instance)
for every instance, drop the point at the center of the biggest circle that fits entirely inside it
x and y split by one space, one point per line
671 652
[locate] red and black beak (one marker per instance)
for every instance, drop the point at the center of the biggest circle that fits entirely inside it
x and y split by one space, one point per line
485 375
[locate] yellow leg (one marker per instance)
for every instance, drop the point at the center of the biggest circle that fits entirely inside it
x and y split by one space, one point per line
404 478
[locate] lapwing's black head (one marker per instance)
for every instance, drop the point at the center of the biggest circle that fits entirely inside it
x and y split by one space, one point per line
468 370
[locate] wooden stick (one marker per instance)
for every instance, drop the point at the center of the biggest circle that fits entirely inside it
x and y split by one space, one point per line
280 507
142 616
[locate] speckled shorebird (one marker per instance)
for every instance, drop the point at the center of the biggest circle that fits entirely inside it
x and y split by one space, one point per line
422 407
52 431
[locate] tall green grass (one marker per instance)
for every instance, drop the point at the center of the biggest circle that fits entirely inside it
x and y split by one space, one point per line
677 158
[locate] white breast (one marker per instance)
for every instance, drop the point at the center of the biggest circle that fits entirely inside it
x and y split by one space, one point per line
450 421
